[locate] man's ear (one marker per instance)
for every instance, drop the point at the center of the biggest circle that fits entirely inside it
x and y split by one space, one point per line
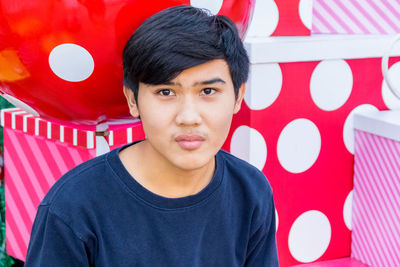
239 98
130 98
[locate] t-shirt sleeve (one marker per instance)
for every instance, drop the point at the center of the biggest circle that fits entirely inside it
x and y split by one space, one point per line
54 243
262 249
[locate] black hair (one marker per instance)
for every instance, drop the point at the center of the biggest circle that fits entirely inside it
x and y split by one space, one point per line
179 38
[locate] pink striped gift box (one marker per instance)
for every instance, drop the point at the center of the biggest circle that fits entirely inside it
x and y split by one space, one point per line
376 197
356 16
36 153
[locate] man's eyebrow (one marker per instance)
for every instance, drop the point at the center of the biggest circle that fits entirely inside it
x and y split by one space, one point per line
215 80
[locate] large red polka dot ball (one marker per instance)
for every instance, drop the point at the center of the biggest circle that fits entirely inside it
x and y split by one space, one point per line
61 59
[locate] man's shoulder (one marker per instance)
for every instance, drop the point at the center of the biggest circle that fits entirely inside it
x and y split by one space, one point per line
77 184
245 175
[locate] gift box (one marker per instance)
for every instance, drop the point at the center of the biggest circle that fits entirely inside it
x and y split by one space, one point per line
376 206
296 126
356 16
37 152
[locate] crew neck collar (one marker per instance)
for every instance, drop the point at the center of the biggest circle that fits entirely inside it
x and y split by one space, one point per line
156 200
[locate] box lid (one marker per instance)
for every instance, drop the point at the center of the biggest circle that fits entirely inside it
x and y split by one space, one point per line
318 47
117 135
384 123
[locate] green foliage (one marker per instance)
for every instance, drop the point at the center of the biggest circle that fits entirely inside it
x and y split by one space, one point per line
3 104
5 259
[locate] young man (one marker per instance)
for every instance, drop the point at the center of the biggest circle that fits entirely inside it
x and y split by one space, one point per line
174 199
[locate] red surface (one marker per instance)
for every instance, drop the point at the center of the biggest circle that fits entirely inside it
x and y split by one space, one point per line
289 23
30 30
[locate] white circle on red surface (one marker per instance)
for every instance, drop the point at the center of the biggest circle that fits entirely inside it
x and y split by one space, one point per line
331 84
276 220
309 236
347 210
213 6
348 128
390 100
264 85
71 62
248 144
299 145
305 12
265 19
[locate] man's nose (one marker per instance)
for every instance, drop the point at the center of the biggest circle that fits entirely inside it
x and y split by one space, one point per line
188 113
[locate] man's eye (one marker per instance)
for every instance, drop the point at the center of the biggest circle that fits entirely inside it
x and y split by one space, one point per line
207 91
166 92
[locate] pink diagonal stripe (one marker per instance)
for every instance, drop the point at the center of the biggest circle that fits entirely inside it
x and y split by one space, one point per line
391 162
365 202
383 194
392 185
352 16
50 159
367 222
368 200
364 239
13 248
359 233
334 16
50 173
22 243
323 21
13 210
25 168
76 157
317 26
12 189
358 249
37 167
378 194
52 150
389 147
383 15
14 178
393 5
368 16
382 181
66 155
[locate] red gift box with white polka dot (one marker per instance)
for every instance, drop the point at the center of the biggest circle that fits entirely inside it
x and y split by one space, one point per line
296 125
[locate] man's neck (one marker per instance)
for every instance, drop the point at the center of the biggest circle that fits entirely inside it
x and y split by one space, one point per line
160 177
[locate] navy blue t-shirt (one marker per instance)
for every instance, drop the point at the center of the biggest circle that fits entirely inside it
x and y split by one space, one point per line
99 215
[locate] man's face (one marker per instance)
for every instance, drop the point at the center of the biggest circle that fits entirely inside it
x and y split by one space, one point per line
187 120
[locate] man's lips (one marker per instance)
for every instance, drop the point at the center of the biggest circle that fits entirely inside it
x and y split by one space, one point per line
189 141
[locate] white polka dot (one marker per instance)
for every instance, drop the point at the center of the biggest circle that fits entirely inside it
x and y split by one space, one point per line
276 220
265 19
213 5
299 145
249 145
305 12
331 84
71 62
348 131
264 85
18 103
391 101
347 210
309 236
